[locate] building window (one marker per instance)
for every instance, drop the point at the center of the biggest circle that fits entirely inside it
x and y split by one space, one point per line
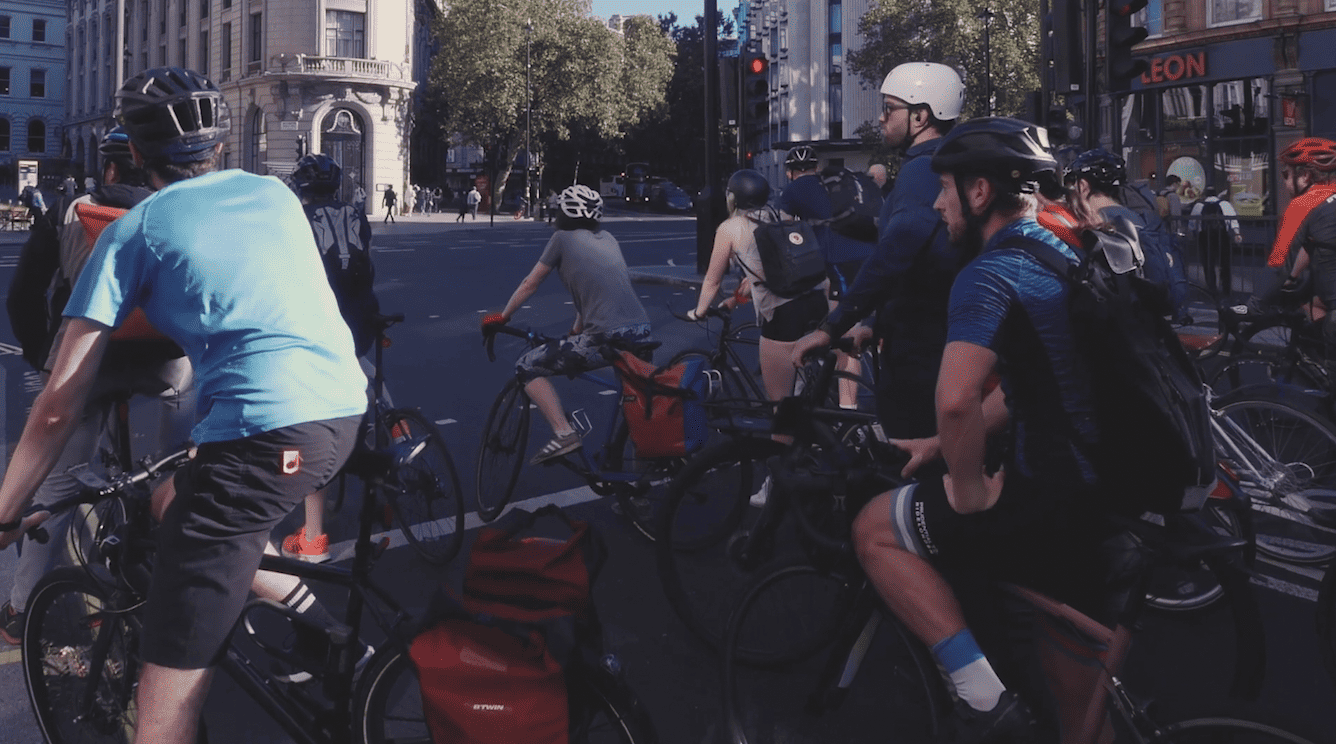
143 13
227 4
92 37
345 34
185 62
1331 5
185 14
162 19
257 141
37 84
256 37
227 47
836 17
39 29
1151 17
36 136
4 134
1234 11
4 27
106 40
204 53
4 81
203 9
162 54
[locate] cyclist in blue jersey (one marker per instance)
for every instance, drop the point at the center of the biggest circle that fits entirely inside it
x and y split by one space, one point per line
906 280
225 265
1030 522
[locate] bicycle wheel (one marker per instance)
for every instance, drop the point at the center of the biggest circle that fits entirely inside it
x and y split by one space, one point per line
1225 731
793 611
505 440
424 492
387 708
1326 620
1291 474
81 659
1184 589
701 528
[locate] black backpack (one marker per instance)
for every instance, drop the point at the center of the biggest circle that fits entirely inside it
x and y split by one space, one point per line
344 238
1140 199
791 256
1156 451
855 203
1215 227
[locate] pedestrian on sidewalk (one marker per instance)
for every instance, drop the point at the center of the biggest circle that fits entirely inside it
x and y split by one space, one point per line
389 200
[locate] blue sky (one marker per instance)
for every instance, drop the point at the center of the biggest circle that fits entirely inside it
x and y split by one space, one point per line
686 10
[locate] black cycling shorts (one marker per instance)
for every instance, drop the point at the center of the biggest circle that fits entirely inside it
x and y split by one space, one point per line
1043 538
797 317
228 500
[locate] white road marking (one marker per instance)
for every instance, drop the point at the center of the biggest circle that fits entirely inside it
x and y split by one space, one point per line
446 422
609 392
570 497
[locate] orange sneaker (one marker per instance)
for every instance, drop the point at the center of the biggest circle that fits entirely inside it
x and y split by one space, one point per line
314 551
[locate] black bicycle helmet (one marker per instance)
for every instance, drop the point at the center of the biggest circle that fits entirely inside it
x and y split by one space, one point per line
800 158
1009 151
1104 170
749 188
317 173
115 145
173 114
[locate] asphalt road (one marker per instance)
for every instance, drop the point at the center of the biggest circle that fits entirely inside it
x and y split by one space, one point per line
444 276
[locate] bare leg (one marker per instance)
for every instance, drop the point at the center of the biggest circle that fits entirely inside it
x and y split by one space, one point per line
545 396
848 388
315 514
909 585
169 702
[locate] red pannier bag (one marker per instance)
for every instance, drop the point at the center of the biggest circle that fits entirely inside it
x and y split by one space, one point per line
664 406
492 663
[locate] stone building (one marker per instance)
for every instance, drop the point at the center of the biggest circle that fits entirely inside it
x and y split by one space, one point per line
333 76
32 80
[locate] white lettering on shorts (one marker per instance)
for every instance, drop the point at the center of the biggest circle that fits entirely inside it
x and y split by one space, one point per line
922 525
292 461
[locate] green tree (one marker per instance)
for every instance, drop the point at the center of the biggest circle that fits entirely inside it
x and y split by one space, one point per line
582 75
950 32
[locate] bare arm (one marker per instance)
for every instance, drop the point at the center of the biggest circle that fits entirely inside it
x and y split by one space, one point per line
55 414
714 274
963 426
527 288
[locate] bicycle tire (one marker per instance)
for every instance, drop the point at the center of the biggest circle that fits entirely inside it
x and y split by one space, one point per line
76 626
1269 352
505 440
388 706
1326 620
639 501
1302 446
1180 589
1224 731
424 494
701 522
802 608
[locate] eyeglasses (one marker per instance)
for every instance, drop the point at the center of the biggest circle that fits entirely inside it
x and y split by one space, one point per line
889 108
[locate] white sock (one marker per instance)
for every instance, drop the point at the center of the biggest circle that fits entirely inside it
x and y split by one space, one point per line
977 684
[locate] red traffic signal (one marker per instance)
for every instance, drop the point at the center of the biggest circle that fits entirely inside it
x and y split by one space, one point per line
757 65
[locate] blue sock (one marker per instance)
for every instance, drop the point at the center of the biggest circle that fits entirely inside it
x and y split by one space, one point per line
975 681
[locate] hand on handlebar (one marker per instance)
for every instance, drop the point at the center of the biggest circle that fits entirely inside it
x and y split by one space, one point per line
29 522
814 342
491 320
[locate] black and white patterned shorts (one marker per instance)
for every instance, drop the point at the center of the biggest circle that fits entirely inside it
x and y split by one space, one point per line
574 354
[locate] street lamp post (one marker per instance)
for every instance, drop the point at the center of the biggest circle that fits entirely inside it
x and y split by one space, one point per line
528 121
986 16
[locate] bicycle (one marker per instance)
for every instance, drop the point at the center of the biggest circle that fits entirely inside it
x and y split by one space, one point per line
1281 345
710 541
837 605
613 469
425 499
80 648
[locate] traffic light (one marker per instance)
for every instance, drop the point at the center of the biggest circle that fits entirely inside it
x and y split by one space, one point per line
756 92
1120 37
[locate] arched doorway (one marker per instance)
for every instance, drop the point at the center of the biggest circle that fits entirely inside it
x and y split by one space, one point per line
342 138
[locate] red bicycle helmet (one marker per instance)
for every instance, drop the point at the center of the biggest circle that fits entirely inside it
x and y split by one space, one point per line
1313 152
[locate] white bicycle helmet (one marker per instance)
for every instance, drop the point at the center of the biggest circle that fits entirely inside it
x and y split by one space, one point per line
937 86
581 202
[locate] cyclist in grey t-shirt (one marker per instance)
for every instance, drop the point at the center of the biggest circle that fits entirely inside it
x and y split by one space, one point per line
592 268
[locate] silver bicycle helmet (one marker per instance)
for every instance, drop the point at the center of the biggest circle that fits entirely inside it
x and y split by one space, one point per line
581 202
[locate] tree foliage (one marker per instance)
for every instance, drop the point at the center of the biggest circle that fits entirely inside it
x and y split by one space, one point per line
950 32
582 76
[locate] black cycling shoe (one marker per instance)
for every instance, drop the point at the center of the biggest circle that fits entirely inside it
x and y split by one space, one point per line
1009 722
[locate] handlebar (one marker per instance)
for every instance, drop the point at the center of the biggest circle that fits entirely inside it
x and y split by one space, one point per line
95 488
713 311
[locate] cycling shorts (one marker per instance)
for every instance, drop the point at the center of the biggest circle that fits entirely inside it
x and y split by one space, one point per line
579 352
1046 538
228 500
841 277
797 317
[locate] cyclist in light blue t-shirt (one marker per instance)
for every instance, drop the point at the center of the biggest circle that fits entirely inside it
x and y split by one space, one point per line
223 263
